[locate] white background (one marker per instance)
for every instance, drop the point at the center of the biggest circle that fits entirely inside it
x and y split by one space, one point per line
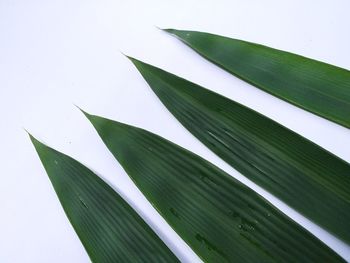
59 52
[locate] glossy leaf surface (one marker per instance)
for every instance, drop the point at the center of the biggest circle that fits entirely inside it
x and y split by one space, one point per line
110 230
220 219
305 176
312 85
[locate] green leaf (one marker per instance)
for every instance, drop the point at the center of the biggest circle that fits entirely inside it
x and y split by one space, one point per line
309 84
313 181
220 219
110 230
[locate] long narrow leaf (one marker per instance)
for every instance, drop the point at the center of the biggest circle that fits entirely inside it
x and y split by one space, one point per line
220 218
312 85
110 230
305 176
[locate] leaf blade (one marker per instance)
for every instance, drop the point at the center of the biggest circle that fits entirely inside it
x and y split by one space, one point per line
109 229
315 86
218 217
306 177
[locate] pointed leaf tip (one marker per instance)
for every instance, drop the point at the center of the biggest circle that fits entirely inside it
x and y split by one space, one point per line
41 148
34 140
138 63
159 28
168 30
100 123
132 59
26 131
87 115
107 129
127 56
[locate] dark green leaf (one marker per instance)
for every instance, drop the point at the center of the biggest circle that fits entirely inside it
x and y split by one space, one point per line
309 84
110 230
302 174
220 219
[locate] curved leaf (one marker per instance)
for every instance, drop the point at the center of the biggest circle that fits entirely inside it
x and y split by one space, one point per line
220 219
110 230
309 84
305 176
